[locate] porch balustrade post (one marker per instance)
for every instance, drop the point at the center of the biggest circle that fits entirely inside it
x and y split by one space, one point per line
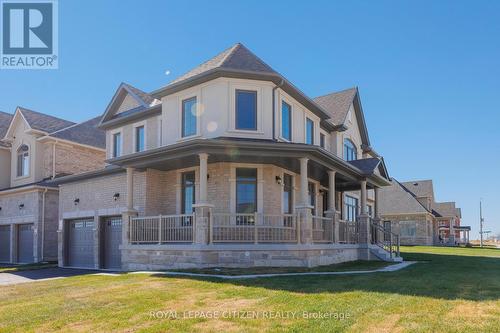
130 212
202 232
364 221
255 228
331 212
304 210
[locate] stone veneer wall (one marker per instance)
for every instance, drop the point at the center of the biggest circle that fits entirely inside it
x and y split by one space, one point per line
139 257
31 213
424 234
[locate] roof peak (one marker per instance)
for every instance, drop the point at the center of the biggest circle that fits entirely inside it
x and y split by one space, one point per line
355 88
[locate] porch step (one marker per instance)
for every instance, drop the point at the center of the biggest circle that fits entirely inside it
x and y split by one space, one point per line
384 255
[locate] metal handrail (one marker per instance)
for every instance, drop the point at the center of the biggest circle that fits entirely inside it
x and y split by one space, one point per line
385 239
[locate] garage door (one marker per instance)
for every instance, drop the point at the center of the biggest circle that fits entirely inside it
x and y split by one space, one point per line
80 243
5 243
25 243
112 240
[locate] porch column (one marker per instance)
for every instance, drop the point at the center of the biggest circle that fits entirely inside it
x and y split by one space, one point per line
202 209
364 221
130 189
377 197
303 182
129 213
331 212
304 210
363 198
203 177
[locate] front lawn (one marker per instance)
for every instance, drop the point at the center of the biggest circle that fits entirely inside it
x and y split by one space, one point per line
451 290
9 268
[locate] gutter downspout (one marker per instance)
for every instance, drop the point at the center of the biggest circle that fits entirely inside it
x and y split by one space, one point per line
54 159
274 107
43 223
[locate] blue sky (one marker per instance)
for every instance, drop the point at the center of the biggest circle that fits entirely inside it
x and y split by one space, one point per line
428 72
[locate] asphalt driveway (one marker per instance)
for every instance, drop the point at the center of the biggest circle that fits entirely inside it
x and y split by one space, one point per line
40 275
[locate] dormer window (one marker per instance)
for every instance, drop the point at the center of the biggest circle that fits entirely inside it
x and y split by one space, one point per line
23 161
350 151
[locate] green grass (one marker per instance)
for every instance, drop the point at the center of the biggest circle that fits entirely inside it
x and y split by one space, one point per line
358 265
24 267
451 290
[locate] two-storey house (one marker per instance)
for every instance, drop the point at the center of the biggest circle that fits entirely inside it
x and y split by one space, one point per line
35 148
410 210
228 165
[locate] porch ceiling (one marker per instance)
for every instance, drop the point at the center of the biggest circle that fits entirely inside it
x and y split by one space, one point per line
285 155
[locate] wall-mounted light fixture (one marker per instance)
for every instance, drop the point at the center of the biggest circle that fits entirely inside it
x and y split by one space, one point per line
21 206
0 208
116 196
76 201
278 180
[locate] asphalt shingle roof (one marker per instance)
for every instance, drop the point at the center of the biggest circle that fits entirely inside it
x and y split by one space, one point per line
44 122
397 199
337 104
145 97
85 133
445 208
421 188
366 165
237 57
5 119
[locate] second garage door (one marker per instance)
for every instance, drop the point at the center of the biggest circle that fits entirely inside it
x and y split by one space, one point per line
25 243
5 243
80 243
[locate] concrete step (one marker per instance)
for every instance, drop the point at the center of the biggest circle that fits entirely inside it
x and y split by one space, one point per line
384 255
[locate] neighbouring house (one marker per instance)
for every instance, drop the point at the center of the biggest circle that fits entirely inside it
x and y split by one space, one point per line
35 148
410 210
228 165
447 225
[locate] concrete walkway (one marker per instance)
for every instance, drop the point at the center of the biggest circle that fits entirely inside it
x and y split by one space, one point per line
391 268
42 274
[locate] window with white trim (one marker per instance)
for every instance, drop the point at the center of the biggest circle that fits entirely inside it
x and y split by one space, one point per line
309 131
117 144
23 161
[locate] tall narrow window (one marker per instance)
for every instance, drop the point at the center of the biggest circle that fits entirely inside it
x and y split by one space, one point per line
246 190
189 126
188 192
287 194
117 144
139 138
350 153
311 191
23 161
351 208
322 140
309 131
286 121
246 110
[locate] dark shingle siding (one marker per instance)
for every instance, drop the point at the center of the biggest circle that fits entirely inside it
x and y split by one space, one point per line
85 133
5 119
44 122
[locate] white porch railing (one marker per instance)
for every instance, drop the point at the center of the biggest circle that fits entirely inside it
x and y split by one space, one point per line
162 229
254 228
323 229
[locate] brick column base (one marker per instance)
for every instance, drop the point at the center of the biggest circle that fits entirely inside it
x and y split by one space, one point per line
304 221
202 223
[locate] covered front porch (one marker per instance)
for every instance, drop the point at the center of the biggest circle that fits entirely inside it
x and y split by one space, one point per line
241 204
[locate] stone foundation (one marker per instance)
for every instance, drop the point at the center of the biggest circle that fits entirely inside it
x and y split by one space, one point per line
163 257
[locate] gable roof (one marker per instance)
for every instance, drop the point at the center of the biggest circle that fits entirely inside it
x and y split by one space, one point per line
43 122
144 100
5 119
397 199
236 57
337 104
369 165
85 133
421 188
446 209
238 62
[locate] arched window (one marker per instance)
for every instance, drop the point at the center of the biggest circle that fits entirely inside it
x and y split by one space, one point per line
23 161
350 152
